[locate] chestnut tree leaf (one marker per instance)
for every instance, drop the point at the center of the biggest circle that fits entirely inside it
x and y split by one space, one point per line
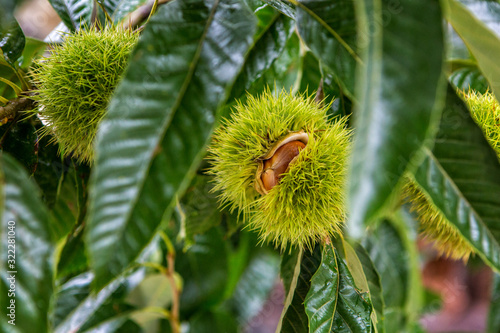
153 137
294 317
399 95
334 302
477 25
461 175
328 28
74 13
469 77
12 42
25 240
77 309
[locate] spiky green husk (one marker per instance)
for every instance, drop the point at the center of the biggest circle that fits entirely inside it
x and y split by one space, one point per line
75 82
308 203
486 112
434 226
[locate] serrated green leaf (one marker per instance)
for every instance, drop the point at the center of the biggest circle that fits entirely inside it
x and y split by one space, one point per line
294 316
119 9
321 300
282 7
466 78
461 175
481 41
12 43
334 302
152 139
353 312
329 30
26 240
267 48
403 60
76 309
74 13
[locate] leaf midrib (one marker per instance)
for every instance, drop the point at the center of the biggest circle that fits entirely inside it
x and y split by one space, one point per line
169 119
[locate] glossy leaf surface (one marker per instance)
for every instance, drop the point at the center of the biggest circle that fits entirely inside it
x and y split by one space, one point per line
334 302
26 252
402 59
462 177
151 141
74 13
329 29
477 35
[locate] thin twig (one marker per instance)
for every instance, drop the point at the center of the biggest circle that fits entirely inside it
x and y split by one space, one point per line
141 14
176 293
14 106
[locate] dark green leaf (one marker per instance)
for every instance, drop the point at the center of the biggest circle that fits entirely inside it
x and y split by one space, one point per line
210 322
374 284
12 43
76 309
200 208
25 239
481 41
334 302
267 48
125 7
390 258
466 78
353 312
311 74
342 105
461 175
152 139
204 269
73 259
402 60
289 261
6 14
283 7
329 30
493 317
20 140
321 300
294 317
74 13
32 50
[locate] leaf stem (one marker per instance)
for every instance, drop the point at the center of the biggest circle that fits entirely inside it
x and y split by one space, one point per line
170 272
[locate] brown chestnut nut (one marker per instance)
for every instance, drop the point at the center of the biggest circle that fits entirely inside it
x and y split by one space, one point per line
278 164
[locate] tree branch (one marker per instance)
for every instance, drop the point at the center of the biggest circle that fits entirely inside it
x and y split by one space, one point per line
14 106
